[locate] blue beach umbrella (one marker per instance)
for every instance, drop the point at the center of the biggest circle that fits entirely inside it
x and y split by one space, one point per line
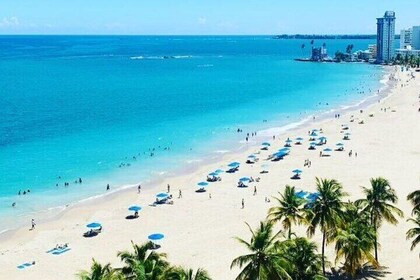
218 171
244 179
313 143
301 194
156 236
203 184
327 150
299 139
285 151
339 144
280 154
252 156
94 225
297 171
234 164
134 208
162 195
289 141
213 174
265 144
347 133
314 133
322 138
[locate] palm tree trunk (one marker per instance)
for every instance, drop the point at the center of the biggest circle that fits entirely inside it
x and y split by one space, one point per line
290 231
323 252
376 242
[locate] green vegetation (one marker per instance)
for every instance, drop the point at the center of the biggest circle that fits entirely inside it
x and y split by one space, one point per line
142 264
378 205
352 227
406 60
289 211
414 233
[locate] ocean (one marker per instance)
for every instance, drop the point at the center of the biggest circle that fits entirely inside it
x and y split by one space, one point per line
120 110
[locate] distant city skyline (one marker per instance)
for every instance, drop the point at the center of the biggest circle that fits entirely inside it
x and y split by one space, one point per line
200 17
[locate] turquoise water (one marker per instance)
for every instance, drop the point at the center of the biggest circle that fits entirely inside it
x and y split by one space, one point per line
84 106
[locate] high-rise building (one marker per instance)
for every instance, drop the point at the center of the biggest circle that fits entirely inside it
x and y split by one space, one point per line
415 37
406 38
385 37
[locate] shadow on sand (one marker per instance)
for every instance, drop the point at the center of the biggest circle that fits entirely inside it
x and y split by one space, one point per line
368 273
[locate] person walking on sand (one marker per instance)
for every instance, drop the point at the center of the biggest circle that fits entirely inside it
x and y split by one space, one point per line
139 189
33 224
255 190
169 189
243 203
180 194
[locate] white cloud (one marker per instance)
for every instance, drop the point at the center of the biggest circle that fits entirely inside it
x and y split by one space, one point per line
202 20
9 22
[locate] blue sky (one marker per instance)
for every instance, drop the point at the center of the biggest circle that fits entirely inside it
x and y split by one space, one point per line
191 17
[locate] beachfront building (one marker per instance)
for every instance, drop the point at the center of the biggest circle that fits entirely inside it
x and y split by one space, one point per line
385 37
406 38
415 37
408 51
372 49
320 54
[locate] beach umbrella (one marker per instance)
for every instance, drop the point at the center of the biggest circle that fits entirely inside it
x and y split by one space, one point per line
213 174
218 171
297 171
234 164
280 154
156 236
264 166
327 150
339 144
286 150
265 144
314 133
289 141
134 208
301 194
203 184
313 196
299 139
313 143
162 195
322 138
244 179
94 225
252 156
347 133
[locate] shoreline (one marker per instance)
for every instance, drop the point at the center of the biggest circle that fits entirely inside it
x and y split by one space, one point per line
384 90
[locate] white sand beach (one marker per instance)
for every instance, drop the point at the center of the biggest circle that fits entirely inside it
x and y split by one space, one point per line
198 230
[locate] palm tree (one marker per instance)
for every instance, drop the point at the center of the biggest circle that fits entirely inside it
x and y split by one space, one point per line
180 273
414 232
263 262
143 263
355 241
99 272
414 198
289 210
378 205
305 262
326 211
